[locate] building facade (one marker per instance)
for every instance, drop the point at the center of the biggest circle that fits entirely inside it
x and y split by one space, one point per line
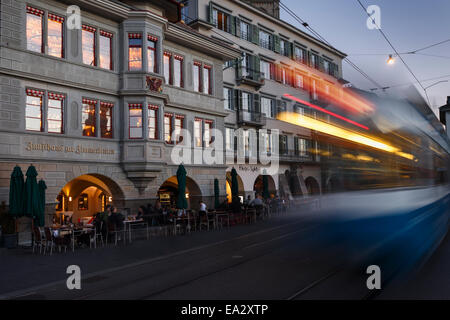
278 60
95 97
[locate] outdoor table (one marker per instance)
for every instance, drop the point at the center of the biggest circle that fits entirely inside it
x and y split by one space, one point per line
225 215
182 218
129 223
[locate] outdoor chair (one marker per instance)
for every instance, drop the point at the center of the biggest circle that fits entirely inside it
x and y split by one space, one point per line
98 234
52 241
39 240
113 231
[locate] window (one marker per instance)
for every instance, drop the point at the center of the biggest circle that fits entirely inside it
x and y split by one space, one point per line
88 117
197 76
301 147
284 48
246 101
229 139
106 127
55 113
167 68
152 122
178 71
284 76
221 20
299 54
135 120
298 81
207 86
35 29
179 125
151 54
245 31
55 35
228 96
283 144
264 39
326 66
267 107
207 136
83 202
168 127
266 69
198 132
33 112
88 45
134 51
314 60
314 94
105 57
268 142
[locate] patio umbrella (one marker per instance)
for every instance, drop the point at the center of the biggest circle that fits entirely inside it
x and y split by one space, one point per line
31 193
265 193
16 197
181 178
216 193
234 184
40 215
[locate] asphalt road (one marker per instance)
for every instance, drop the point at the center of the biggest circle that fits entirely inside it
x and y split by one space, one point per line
275 259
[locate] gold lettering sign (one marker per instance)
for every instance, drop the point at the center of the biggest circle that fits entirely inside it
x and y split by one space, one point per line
80 149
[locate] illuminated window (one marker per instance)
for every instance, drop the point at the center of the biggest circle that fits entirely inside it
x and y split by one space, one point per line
168 127
221 20
135 121
198 132
178 71
207 135
196 73
106 118
34 29
33 111
207 86
105 50
299 81
55 35
55 113
83 202
88 117
152 122
151 53
167 68
88 45
134 51
179 125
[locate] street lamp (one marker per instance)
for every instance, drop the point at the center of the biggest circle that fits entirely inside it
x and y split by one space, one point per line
390 60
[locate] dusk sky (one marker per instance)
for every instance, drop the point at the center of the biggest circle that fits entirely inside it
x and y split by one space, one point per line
408 24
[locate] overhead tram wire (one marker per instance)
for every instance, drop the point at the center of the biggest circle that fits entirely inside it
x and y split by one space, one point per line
316 34
409 83
395 50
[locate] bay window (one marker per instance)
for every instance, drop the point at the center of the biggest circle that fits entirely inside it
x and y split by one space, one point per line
134 51
106 127
152 122
168 127
105 57
35 19
151 53
207 86
55 35
178 71
135 121
167 68
196 75
33 110
88 117
179 125
88 45
55 107
198 132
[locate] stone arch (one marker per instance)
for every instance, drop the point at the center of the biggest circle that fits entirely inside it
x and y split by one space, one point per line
312 186
170 187
240 186
258 185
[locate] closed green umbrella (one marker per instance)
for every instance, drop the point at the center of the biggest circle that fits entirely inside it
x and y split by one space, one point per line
31 193
181 178
216 193
40 216
16 196
234 184
265 193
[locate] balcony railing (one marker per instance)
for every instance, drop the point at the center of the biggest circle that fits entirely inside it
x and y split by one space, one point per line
249 76
298 156
251 118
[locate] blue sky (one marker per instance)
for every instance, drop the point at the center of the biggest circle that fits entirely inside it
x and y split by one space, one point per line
409 25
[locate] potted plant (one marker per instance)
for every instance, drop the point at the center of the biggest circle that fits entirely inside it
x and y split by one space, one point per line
8 224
